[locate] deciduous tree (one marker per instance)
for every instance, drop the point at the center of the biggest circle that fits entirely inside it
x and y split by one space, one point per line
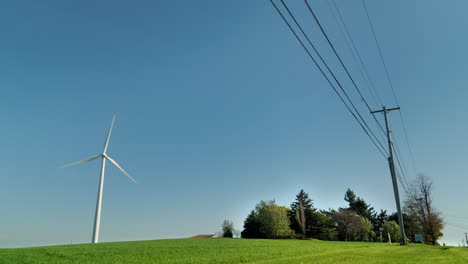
273 220
392 228
268 220
347 223
228 229
419 203
364 230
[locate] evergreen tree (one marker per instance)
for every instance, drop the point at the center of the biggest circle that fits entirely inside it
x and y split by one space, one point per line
302 216
350 197
358 205
324 227
252 227
380 219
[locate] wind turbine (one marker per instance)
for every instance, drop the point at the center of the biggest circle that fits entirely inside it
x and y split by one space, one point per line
104 156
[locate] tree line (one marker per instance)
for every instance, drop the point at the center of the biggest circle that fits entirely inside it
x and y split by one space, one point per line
359 221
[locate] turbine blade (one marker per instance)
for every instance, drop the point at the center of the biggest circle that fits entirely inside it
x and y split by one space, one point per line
108 135
82 161
120 168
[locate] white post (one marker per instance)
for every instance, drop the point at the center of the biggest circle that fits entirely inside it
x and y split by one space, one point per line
97 220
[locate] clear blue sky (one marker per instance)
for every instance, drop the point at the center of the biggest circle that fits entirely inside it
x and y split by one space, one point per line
217 107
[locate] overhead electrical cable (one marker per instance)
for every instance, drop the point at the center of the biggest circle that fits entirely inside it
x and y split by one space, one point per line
402 177
390 83
352 51
329 81
402 182
331 72
401 163
341 62
455 216
380 53
459 226
375 93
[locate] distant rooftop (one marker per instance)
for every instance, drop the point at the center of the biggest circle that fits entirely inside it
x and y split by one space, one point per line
200 236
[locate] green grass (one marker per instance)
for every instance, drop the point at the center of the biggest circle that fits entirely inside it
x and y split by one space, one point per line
219 250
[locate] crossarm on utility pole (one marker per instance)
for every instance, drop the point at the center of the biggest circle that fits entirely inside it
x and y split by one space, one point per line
388 110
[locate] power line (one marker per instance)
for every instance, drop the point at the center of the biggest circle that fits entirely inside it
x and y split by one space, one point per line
363 66
330 71
390 82
326 77
401 163
400 179
455 216
390 159
413 162
380 53
402 182
353 52
341 62
334 77
459 226
457 222
403 174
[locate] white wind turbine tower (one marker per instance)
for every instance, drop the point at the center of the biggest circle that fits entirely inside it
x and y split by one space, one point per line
97 220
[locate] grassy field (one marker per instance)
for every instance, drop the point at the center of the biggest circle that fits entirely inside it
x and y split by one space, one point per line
219 250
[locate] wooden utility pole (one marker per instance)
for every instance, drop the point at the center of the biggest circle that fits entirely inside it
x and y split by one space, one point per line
393 173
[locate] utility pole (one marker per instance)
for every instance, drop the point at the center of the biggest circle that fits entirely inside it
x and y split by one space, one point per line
393 173
466 238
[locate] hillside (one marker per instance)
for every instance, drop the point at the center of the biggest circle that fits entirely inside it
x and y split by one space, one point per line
218 250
